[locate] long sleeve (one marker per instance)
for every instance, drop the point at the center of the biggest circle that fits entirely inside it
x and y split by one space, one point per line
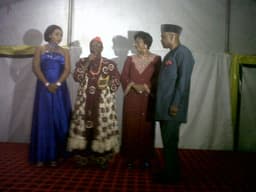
79 72
125 76
154 78
184 70
114 79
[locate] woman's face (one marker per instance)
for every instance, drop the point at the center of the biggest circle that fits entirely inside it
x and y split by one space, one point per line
140 45
56 36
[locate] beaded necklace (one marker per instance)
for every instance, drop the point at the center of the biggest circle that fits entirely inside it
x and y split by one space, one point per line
98 70
141 63
52 47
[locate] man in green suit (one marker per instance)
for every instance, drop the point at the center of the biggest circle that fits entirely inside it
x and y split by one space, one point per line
172 98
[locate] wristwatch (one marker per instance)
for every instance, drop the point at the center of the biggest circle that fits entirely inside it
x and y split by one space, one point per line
58 83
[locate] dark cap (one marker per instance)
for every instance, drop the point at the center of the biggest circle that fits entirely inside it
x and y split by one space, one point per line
171 28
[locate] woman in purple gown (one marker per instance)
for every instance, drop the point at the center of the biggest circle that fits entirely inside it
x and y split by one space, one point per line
52 106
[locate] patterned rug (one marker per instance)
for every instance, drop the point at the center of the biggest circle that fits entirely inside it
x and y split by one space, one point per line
202 170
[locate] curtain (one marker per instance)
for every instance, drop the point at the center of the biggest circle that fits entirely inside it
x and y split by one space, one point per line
247 109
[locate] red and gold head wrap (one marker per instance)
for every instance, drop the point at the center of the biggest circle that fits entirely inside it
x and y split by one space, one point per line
97 38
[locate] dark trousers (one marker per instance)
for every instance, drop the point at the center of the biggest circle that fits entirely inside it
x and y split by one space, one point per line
170 139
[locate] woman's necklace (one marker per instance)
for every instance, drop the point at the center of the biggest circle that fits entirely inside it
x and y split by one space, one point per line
52 47
98 70
142 61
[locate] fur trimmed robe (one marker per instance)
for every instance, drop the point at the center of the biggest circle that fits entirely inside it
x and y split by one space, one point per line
95 108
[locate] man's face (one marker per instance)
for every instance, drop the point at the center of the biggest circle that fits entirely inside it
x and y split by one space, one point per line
167 39
96 47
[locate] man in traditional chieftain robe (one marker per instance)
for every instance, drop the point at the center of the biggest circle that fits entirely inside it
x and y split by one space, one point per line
94 133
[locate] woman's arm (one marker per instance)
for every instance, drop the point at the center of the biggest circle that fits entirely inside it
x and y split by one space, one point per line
37 68
67 67
127 83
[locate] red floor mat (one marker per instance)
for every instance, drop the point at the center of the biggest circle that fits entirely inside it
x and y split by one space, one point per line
202 170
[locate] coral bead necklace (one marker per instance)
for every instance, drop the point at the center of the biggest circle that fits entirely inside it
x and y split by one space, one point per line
98 70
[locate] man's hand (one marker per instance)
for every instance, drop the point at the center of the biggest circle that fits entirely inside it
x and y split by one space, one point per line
173 110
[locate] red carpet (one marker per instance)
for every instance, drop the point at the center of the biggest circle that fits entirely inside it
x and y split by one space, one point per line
202 170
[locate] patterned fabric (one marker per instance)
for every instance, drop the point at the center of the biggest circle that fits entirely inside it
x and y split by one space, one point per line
94 120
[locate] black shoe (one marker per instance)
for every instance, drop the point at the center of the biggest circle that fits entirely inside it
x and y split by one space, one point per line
104 165
130 165
163 178
102 162
39 164
146 165
53 163
81 161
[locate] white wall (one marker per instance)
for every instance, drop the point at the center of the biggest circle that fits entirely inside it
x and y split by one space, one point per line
20 16
203 22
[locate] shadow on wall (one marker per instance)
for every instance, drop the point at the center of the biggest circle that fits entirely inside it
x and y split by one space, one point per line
8 3
24 87
131 40
122 46
75 50
33 37
121 49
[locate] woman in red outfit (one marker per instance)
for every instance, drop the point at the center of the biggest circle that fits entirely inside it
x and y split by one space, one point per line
138 79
